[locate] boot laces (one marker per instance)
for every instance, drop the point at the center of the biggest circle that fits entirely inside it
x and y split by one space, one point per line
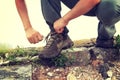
50 38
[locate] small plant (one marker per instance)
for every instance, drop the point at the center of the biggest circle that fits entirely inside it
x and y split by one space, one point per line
11 58
117 40
19 51
60 60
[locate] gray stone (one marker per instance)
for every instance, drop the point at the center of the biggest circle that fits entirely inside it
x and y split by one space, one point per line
110 54
16 72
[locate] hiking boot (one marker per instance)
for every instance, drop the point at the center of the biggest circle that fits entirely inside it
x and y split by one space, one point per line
54 44
105 43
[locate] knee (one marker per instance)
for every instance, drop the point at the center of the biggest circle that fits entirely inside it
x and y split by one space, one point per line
107 10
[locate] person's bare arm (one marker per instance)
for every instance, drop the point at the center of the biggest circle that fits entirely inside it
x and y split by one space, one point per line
33 36
82 7
22 10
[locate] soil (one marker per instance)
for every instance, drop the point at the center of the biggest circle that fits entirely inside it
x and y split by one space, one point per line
73 72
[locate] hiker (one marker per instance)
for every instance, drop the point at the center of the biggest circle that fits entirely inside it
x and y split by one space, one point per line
107 12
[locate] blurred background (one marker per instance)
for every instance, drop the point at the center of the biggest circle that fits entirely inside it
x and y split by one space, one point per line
11 28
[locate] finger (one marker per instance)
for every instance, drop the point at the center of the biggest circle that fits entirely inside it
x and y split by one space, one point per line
40 37
60 30
31 40
36 40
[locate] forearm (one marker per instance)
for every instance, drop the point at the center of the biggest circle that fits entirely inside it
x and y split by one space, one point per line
82 7
22 10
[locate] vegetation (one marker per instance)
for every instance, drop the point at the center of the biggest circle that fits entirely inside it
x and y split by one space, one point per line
11 54
7 53
117 41
60 61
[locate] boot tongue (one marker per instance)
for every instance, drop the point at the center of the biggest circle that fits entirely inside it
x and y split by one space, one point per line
50 39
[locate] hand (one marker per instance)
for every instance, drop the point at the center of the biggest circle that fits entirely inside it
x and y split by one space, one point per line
33 36
59 25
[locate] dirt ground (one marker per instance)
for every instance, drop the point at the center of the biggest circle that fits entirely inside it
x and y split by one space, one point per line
76 72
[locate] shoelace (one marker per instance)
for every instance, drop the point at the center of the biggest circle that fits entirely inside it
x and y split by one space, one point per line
49 41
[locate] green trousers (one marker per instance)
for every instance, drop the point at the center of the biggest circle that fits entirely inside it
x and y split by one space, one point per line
107 12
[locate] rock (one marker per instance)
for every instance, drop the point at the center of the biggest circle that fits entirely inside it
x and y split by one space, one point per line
81 68
113 78
7 55
74 50
85 43
1 60
50 74
105 54
16 72
80 56
22 58
110 73
71 76
4 63
34 58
